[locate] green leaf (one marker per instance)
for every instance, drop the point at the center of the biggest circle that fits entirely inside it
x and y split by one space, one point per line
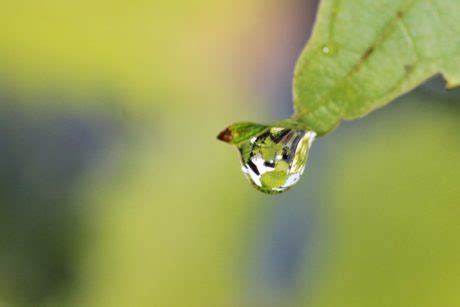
365 53
240 132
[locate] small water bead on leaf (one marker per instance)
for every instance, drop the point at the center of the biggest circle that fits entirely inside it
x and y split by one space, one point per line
275 159
329 48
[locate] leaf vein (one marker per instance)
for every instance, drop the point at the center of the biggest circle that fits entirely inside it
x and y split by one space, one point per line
380 40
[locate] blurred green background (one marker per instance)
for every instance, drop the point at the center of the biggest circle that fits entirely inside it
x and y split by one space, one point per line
114 191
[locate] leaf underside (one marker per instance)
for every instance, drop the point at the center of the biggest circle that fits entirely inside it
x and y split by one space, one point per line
365 53
362 55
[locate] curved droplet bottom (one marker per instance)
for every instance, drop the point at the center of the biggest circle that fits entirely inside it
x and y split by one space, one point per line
274 160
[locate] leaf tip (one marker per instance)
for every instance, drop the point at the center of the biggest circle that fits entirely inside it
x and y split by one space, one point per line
240 132
225 136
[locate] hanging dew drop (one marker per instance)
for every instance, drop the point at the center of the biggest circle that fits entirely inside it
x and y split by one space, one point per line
272 158
275 159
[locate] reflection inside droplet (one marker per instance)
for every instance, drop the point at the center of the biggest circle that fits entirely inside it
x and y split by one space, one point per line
274 160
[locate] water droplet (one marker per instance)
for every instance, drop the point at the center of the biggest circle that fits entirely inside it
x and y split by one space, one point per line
329 49
275 159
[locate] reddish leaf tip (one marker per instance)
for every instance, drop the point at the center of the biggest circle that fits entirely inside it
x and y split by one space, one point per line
225 136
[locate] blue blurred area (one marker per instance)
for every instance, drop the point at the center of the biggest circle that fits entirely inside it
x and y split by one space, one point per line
44 152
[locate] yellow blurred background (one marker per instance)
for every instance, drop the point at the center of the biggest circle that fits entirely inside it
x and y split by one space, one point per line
114 191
